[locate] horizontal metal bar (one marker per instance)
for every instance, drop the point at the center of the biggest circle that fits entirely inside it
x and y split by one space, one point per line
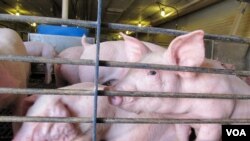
173 32
122 120
122 93
47 20
123 65
92 24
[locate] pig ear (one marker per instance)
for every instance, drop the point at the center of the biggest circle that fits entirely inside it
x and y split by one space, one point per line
187 50
84 41
134 48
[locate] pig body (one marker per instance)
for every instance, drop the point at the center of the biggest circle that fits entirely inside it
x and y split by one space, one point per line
35 48
82 106
65 73
185 50
12 74
11 44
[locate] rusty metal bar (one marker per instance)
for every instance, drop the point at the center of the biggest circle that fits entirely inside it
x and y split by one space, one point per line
70 92
122 120
92 24
123 65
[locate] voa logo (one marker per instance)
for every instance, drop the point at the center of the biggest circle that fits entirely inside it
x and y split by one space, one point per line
236 132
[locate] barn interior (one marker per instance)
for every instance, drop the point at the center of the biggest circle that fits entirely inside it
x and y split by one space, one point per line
220 17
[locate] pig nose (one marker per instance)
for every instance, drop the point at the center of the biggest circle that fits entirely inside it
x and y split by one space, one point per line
115 100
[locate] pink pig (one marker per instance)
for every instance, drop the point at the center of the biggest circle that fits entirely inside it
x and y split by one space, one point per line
110 50
186 50
68 74
232 66
12 74
35 48
81 106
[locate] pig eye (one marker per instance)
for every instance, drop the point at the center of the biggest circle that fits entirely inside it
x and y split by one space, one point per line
109 82
152 72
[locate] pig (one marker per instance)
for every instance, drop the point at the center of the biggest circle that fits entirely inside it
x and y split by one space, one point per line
110 50
82 106
248 80
186 50
68 74
35 48
232 66
12 74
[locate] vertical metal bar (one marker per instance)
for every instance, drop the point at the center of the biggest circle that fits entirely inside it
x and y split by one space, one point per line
212 50
238 18
98 31
65 9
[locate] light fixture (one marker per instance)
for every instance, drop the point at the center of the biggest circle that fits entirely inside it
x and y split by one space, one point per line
139 24
170 10
163 13
127 32
33 24
119 36
17 13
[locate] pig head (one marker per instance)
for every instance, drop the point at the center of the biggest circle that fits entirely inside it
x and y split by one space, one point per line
186 50
63 106
112 51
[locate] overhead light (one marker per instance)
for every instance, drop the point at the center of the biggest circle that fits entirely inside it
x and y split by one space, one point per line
127 32
119 36
33 24
170 10
163 13
139 24
17 13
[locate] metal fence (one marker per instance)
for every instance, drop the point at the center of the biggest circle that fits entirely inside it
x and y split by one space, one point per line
98 25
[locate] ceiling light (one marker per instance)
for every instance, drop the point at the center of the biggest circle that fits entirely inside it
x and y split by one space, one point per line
17 13
139 24
33 24
127 32
170 10
163 13
119 36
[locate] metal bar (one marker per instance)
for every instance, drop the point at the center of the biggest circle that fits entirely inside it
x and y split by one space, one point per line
91 24
238 18
47 20
70 92
123 65
121 120
65 9
98 32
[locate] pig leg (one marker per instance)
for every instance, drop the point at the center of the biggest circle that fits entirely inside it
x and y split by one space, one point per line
58 76
209 132
182 132
48 72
